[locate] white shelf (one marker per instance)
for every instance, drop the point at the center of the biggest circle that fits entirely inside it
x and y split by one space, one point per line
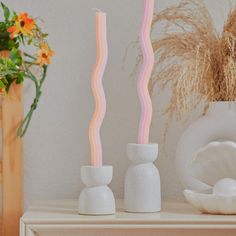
62 216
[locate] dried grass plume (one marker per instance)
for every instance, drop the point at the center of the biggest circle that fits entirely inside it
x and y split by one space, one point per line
198 63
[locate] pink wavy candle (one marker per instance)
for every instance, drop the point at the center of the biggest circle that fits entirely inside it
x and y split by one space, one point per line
145 74
98 91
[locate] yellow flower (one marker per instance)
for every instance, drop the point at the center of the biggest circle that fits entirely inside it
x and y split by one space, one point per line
44 55
23 25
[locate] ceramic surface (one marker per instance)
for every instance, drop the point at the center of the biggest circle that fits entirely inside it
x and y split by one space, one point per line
225 187
215 161
96 198
142 193
219 123
207 202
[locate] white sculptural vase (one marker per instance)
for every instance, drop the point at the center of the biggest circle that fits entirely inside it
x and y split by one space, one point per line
142 191
218 124
96 198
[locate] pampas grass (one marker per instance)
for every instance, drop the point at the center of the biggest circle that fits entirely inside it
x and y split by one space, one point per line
192 58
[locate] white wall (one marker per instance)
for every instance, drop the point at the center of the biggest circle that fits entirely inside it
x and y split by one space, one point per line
56 144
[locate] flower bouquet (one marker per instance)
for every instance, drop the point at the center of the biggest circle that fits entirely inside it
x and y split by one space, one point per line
20 35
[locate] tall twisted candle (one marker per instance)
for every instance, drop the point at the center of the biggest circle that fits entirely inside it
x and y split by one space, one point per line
97 88
145 74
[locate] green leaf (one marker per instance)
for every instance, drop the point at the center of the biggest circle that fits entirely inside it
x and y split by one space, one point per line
20 78
2 85
6 11
4 80
11 64
11 44
14 16
15 53
29 41
16 56
10 81
45 35
21 38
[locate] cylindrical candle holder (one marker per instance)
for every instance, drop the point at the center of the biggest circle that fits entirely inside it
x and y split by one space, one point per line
96 198
142 193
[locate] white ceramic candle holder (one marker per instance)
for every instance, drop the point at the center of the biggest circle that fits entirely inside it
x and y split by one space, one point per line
142 182
96 198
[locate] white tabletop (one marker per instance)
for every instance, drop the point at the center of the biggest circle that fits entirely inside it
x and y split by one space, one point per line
173 215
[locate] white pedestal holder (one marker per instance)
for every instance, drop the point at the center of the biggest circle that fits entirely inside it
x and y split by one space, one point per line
96 198
142 191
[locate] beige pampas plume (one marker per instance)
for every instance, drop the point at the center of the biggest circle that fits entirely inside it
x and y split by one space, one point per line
192 58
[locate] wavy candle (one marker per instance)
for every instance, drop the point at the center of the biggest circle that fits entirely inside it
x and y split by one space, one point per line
97 88
145 74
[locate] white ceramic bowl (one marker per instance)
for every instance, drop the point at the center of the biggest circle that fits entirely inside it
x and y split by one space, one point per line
207 202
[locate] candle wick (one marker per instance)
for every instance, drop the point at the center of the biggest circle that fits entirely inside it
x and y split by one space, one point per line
96 9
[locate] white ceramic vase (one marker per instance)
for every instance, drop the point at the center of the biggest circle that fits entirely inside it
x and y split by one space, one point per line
142 193
96 198
219 124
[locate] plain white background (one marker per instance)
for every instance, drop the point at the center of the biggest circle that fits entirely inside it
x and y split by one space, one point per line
57 145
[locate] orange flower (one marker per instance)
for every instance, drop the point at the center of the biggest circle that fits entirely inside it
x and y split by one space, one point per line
44 55
23 25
